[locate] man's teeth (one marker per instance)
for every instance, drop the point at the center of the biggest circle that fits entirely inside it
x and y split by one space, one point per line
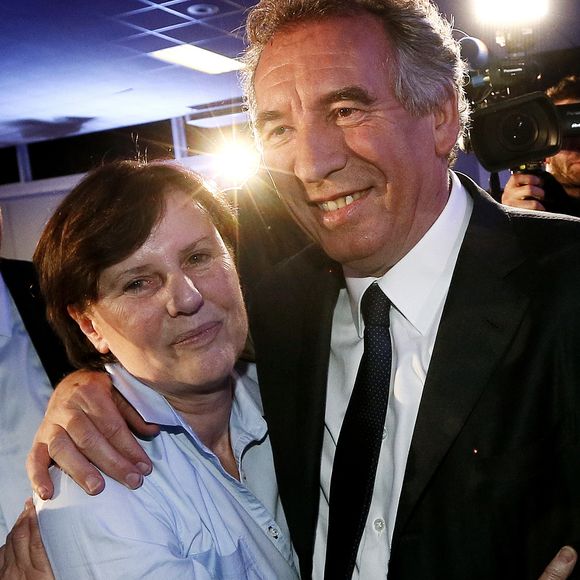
339 203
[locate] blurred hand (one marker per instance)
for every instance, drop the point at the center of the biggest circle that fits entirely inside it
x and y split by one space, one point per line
23 557
524 190
88 422
561 566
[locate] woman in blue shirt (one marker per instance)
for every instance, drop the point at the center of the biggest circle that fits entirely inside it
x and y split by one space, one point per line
137 270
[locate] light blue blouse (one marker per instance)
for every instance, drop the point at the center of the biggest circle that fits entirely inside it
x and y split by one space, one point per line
190 519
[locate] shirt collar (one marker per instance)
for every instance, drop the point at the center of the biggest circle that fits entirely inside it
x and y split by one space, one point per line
246 421
419 281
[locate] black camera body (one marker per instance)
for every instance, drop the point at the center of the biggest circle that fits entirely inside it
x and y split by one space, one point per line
523 129
509 131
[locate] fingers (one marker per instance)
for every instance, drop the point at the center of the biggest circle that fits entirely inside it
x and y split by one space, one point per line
524 190
37 464
82 427
38 557
15 552
66 454
24 554
132 417
520 179
97 436
108 441
525 203
561 566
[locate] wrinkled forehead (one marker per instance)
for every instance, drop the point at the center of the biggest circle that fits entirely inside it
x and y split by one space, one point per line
323 55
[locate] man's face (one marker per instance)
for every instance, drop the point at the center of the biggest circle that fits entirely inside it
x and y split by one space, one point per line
565 165
362 176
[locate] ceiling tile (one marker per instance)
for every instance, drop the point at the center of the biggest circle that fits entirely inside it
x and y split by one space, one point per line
153 19
192 33
144 43
226 45
231 23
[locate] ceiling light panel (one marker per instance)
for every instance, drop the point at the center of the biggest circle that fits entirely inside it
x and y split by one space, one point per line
197 58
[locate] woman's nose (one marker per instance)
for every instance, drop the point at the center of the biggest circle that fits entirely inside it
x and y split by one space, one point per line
183 296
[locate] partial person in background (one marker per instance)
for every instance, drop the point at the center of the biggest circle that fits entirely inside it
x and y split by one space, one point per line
559 188
136 266
32 359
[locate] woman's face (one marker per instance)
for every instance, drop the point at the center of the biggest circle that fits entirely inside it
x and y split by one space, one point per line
172 313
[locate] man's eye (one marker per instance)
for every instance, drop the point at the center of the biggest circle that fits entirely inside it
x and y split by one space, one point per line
198 259
276 132
344 112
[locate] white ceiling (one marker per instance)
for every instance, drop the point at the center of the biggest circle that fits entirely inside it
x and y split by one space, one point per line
77 66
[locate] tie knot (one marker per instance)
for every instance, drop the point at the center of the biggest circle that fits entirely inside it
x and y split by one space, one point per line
375 306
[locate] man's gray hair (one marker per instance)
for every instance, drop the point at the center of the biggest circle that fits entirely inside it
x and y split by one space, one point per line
428 67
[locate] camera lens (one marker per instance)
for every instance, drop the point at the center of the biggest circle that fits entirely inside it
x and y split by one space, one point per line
518 131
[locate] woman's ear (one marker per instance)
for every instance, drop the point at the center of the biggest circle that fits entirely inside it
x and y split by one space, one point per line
86 323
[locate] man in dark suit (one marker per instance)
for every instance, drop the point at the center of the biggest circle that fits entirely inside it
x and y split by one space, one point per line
358 107
493 464
480 456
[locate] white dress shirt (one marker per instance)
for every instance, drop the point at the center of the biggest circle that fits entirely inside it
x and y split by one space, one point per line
190 518
24 393
417 287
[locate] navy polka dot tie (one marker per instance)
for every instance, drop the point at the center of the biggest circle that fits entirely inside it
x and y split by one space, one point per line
359 442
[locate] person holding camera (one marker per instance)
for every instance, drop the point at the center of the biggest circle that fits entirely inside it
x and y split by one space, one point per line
557 189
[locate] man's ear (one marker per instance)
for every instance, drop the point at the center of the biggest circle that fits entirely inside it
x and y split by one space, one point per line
446 126
90 330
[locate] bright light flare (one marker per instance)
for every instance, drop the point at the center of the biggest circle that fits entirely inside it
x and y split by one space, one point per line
510 13
235 163
197 58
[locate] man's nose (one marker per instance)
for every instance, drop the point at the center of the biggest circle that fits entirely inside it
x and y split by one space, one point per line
320 151
183 296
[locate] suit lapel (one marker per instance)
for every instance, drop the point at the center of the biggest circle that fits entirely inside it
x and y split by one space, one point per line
481 314
293 377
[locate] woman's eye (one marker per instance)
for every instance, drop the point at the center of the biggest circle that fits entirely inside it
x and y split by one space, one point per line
136 286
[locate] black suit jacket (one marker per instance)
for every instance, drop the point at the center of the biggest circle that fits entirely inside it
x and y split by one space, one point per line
21 281
492 482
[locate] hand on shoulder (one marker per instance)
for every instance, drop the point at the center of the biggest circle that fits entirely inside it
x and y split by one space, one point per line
87 424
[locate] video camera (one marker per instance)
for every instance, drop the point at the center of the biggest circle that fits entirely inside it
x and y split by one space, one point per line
510 127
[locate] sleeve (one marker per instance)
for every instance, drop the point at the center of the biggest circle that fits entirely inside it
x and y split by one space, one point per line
118 534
